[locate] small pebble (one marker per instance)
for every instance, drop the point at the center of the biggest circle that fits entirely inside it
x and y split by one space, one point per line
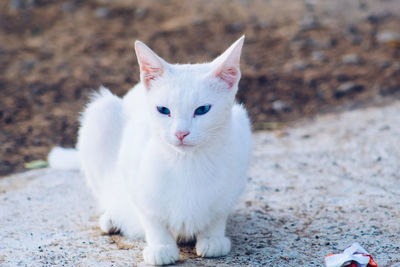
300 65
68 7
236 27
318 56
347 88
309 22
102 12
351 59
389 38
16 4
280 105
141 12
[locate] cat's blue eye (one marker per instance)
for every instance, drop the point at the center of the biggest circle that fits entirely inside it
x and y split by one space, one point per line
164 110
202 110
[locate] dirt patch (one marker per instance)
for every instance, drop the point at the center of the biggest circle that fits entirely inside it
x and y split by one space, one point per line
300 58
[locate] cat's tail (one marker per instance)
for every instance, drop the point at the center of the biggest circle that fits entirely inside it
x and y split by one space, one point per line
63 158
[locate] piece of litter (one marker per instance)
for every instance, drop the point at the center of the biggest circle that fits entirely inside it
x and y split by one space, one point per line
36 164
353 256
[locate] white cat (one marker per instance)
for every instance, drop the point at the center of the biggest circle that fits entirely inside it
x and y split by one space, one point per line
169 160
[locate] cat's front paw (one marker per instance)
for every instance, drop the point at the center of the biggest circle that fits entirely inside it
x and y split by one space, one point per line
213 246
160 254
107 226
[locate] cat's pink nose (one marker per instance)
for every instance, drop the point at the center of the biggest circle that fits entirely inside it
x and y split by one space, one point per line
181 135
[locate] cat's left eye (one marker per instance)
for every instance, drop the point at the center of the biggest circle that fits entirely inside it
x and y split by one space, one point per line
202 110
164 110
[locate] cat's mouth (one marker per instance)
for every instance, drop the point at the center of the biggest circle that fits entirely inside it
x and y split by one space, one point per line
184 145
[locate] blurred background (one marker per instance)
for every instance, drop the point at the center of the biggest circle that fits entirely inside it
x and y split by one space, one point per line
300 58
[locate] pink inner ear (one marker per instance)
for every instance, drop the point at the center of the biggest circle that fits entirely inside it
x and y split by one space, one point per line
149 73
228 75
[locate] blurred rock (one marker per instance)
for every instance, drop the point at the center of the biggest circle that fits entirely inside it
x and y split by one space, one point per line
16 4
20 4
378 18
351 59
389 38
389 90
27 66
300 65
299 43
347 88
102 12
352 29
5 167
309 22
280 105
141 12
333 42
310 4
373 19
318 56
236 27
68 7
342 77
352 35
384 64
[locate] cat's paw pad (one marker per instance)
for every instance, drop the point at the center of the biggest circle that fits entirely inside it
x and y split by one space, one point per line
107 226
160 254
213 246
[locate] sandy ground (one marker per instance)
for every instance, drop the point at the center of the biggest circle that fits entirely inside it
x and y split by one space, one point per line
314 188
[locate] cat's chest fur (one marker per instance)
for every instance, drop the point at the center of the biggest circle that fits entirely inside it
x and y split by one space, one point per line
184 189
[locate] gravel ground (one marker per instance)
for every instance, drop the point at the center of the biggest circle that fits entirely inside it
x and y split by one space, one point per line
314 188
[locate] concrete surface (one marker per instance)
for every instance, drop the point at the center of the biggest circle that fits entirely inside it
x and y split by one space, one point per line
314 188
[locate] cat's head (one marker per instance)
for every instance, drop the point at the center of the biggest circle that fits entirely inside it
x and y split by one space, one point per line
189 105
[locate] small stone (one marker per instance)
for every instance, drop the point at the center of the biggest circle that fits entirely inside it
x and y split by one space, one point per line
351 59
68 7
396 66
333 42
280 105
28 65
300 65
236 27
342 77
347 88
16 4
310 4
373 19
318 56
354 39
141 12
309 22
352 29
384 64
298 44
102 12
389 38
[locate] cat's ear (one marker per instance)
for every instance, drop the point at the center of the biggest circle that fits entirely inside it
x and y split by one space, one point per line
151 65
227 66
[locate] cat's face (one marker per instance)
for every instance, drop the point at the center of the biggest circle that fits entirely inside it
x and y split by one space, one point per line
189 105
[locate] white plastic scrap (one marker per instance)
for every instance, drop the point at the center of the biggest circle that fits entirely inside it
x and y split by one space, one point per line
353 253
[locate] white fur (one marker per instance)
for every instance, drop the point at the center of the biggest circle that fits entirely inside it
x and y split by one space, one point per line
63 158
145 183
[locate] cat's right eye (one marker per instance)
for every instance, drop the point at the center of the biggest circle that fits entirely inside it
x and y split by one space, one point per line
164 110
